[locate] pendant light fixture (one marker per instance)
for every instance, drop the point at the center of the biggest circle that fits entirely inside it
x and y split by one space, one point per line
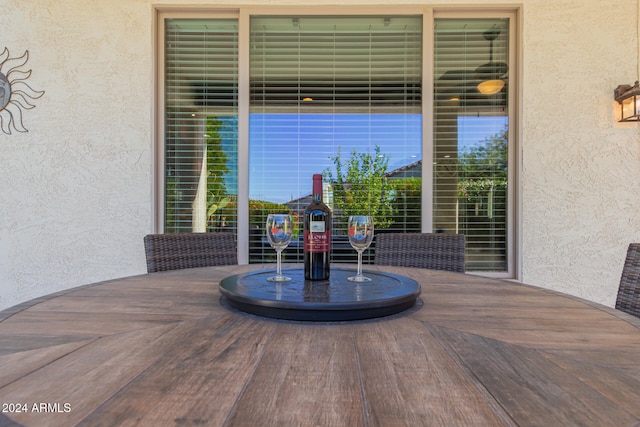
491 73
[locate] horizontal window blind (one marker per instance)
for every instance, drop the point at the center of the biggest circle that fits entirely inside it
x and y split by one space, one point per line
342 63
333 89
470 137
342 96
201 103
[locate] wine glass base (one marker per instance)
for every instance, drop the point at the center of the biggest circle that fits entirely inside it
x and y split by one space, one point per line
358 279
278 279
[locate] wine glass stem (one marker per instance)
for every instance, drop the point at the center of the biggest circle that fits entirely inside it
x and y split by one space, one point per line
278 262
359 264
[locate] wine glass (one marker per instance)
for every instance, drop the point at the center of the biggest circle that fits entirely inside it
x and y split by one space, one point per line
279 229
360 237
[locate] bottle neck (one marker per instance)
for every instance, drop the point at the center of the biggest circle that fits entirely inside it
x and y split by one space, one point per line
317 188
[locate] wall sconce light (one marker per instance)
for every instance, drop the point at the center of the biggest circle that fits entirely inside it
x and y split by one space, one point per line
629 96
629 99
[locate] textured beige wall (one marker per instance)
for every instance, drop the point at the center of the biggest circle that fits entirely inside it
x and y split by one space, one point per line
76 189
580 168
75 199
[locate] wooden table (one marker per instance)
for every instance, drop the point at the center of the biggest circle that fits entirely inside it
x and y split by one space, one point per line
162 350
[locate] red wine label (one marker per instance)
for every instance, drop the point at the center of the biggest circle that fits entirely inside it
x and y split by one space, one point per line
317 241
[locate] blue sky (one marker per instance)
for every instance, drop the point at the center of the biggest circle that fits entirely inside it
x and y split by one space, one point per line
281 168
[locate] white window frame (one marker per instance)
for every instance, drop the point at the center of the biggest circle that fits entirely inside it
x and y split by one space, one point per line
429 14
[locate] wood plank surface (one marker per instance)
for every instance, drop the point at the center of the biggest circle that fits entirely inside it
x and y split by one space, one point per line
409 379
528 384
197 379
308 376
163 349
616 378
87 377
17 364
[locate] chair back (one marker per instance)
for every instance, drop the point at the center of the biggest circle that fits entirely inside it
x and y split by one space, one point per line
628 299
436 251
189 250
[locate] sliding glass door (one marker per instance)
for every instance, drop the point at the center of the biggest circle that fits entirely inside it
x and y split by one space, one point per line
343 96
470 136
339 96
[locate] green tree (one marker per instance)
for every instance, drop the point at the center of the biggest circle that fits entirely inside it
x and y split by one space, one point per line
217 197
486 161
406 203
483 178
361 189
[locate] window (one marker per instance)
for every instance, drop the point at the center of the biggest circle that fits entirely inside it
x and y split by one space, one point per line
201 117
343 96
470 137
326 90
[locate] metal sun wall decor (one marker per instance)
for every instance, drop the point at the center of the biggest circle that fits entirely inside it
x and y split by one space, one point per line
15 94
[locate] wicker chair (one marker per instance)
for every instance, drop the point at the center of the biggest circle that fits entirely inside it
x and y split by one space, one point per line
436 251
628 299
189 250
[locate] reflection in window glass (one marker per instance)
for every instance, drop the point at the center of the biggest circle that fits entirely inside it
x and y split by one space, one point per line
201 125
335 95
470 137
342 96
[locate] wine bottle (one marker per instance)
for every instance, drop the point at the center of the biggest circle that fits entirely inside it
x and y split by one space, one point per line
317 235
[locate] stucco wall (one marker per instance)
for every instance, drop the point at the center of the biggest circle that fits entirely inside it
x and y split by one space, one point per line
580 167
76 189
75 200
